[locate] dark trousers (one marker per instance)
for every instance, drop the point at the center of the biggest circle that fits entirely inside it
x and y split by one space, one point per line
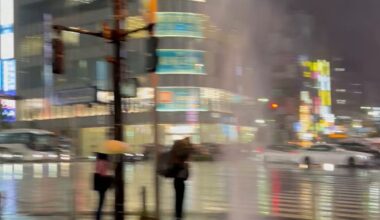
179 186
102 195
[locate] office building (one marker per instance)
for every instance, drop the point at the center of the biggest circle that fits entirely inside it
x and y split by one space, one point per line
193 101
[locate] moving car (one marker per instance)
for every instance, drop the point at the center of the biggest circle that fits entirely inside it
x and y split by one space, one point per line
359 147
281 153
333 154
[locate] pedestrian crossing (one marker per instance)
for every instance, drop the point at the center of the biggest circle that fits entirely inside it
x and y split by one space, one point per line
289 193
267 192
19 171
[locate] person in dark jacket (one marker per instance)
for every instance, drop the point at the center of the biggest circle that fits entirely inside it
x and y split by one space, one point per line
180 156
102 180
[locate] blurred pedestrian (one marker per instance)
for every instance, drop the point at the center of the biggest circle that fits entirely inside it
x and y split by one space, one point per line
180 155
103 180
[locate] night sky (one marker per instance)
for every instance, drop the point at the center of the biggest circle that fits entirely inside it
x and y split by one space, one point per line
352 32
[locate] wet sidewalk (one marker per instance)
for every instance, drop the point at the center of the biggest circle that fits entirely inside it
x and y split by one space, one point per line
106 216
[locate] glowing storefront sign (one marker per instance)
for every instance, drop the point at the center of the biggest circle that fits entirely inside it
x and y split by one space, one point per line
181 62
181 129
179 24
8 108
179 99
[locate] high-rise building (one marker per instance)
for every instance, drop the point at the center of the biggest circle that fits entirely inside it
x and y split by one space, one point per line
193 101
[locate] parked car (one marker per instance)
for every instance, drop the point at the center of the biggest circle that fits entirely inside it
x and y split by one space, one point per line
281 153
333 154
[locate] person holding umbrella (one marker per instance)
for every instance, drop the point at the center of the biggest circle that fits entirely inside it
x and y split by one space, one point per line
180 155
102 180
103 176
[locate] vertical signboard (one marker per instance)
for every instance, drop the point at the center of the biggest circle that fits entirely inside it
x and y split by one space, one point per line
1 75
316 115
7 51
47 73
9 76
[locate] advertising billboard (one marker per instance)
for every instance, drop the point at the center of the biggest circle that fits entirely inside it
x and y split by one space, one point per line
8 110
179 24
181 62
179 99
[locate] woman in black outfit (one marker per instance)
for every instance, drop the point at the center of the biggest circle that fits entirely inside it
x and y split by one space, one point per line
180 157
102 180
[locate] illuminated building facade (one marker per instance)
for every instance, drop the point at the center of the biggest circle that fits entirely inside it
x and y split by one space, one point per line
191 102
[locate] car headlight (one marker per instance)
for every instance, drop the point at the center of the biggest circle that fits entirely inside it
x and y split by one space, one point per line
52 156
65 157
18 156
362 157
6 156
38 155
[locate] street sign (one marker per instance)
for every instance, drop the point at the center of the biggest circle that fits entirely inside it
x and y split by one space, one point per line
129 88
83 95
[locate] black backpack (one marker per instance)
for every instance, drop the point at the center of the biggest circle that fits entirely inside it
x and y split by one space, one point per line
164 166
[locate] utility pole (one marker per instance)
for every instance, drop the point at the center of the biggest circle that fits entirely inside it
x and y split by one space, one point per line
118 121
116 36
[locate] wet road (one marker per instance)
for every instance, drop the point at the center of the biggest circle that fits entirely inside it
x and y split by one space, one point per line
217 190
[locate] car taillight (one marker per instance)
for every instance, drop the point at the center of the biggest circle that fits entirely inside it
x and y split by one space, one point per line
260 150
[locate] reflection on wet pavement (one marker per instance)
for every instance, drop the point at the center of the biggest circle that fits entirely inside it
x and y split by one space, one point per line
244 190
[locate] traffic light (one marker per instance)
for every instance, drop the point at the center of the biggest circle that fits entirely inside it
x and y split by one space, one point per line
58 56
274 106
151 53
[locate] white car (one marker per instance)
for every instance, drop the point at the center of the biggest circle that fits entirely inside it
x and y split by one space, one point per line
29 145
332 154
280 153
